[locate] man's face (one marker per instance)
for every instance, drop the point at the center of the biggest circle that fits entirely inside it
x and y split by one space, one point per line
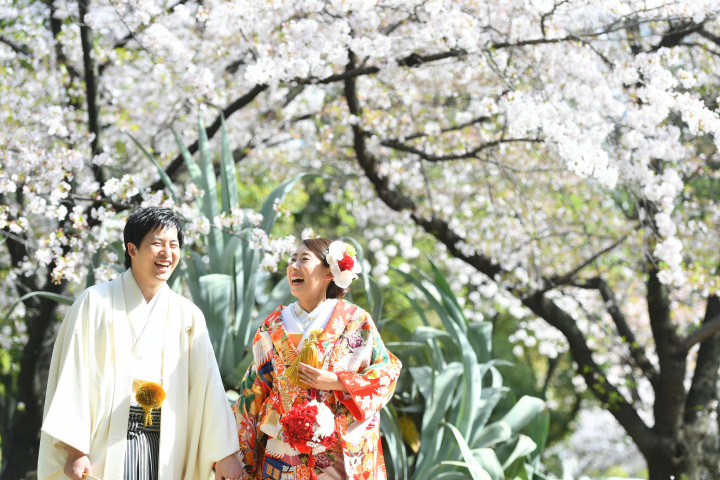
154 260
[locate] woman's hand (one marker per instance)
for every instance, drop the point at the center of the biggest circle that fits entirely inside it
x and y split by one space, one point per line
320 379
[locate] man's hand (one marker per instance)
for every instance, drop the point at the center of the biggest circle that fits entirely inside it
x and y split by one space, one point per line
76 464
230 468
320 379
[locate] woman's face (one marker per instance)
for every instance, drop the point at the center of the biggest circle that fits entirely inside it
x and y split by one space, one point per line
307 275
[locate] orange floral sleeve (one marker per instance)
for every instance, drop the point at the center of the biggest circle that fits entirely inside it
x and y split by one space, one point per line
370 388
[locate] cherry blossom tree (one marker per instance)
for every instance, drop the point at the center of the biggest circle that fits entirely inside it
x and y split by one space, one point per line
562 154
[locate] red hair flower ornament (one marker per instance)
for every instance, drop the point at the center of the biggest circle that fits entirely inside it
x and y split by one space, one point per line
343 263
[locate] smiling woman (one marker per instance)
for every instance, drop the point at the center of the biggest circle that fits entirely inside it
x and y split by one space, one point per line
351 378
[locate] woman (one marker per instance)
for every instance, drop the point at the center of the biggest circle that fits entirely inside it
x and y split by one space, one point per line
354 377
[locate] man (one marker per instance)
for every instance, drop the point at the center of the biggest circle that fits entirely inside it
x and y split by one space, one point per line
117 336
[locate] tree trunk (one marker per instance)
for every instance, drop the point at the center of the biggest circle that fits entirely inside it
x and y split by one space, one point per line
660 467
22 441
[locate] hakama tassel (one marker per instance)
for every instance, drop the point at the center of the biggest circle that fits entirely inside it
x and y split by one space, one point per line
149 395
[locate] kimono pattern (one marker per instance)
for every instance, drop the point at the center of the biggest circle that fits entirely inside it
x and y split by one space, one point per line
351 347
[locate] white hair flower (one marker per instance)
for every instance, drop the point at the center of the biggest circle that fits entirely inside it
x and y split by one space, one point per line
343 264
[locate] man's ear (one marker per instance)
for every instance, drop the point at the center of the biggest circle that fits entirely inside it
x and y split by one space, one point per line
132 249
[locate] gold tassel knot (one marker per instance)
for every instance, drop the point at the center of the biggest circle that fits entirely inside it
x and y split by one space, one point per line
149 395
309 355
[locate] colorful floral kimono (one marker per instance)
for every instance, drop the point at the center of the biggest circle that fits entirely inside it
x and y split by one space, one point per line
350 346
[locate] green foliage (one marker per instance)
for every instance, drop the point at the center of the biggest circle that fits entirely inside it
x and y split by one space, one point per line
449 392
447 419
444 421
52 296
231 288
538 375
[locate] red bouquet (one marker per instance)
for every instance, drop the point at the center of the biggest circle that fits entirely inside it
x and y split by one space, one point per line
309 427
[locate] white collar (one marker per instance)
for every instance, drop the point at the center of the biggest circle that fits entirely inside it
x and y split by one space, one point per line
322 314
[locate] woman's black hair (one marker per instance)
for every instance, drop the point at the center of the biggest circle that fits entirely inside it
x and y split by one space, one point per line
319 246
148 219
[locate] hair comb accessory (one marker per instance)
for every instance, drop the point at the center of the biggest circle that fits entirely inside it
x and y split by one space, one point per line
343 263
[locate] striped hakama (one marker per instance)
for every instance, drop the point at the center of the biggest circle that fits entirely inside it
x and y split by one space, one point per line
143 443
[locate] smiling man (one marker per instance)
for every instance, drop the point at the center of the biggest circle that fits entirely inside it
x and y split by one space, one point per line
129 334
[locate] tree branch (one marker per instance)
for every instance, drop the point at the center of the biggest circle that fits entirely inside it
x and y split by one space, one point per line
177 163
546 15
594 377
91 85
709 328
675 35
412 60
541 306
564 279
703 47
709 35
56 28
397 200
669 391
535 41
637 351
131 34
703 389
454 128
403 147
17 48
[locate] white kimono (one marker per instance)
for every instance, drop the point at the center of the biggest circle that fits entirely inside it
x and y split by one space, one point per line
89 388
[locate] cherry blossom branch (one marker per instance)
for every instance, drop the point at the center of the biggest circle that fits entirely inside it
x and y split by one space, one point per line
671 38
709 35
594 377
17 48
536 41
637 351
397 145
131 35
412 60
16 238
56 29
676 34
454 128
546 15
567 277
702 46
91 85
537 302
177 162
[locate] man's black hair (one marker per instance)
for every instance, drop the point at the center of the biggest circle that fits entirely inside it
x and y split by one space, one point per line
148 219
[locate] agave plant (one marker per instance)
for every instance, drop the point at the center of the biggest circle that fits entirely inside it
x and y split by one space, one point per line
228 287
448 393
